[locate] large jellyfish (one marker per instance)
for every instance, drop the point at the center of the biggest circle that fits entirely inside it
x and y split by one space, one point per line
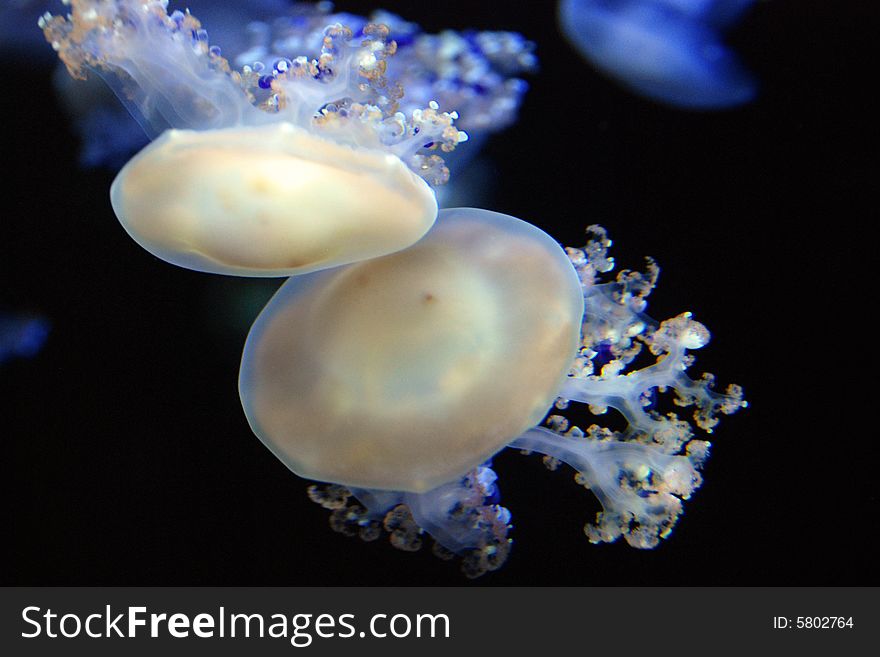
409 370
667 50
295 162
396 379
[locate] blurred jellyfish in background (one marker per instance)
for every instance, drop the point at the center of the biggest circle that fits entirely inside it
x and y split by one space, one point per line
667 50
396 379
21 335
18 38
245 159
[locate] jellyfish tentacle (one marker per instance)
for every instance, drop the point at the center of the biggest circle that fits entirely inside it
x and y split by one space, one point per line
640 486
461 516
642 473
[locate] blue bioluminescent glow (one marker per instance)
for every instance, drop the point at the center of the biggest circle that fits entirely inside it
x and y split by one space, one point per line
21 336
668 50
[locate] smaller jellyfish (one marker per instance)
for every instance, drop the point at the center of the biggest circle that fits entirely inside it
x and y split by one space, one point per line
299 161
396 379
277 169
21 335
475 72
667 50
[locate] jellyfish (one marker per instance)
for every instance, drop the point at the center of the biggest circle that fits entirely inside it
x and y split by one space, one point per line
293 162
667 50
397 379
21 335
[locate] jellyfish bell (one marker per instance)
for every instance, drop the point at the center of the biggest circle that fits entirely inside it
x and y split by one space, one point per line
270 200
405 371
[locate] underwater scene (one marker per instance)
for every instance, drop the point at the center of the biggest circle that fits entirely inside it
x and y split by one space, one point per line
403 293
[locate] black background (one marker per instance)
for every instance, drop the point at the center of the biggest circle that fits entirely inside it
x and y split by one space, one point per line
127 459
